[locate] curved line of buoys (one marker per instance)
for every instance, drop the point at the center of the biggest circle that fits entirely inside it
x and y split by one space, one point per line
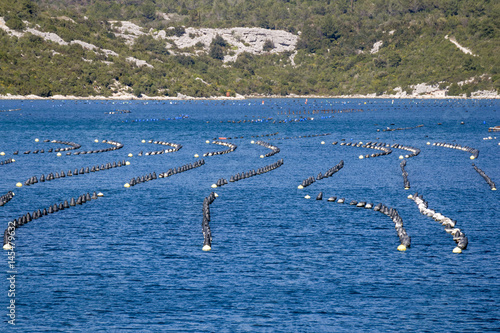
175 147
170 172
485 176
302 136
10 231
57 175
232 147
330 172
274 149
7 161
388 129
116 145
72 145
473 151
449 224
179 117
249 174
414 151
405 175
404 238
6 198
383 147
205 225
252 136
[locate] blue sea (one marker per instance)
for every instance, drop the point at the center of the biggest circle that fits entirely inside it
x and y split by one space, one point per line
132 259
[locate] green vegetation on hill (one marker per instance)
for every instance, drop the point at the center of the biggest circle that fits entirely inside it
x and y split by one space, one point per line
333 55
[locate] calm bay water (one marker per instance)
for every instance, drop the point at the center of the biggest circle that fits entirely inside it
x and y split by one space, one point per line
132 260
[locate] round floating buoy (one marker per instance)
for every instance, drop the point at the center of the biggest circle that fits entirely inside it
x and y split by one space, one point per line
2 153
7 247
322 142
143 141
307 196
457 250
96 140
127 163
401 248
410 196
361 157
19 185
493 188
36 140
262 156
130 155
206 248
100 194
300 187
196 155
215 195
13 160
401 157
252 141
127 185
428 143
472 157
58 154
208 141
213 186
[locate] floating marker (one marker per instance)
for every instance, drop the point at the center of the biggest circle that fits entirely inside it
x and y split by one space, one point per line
36 140
196 155
2 153
130 155
127 163
401 248
143 141
100 194
19 185
127 185
59 154
361 157
307 196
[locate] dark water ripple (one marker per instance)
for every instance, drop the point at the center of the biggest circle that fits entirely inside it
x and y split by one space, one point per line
132 260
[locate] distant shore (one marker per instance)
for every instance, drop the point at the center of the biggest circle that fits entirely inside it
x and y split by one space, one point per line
119 97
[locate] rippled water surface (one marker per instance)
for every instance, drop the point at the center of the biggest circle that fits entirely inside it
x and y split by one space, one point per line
132 260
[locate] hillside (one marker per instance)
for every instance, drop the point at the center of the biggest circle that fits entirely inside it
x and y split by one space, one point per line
213 48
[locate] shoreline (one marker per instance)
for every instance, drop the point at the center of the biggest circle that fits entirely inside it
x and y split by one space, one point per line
126 97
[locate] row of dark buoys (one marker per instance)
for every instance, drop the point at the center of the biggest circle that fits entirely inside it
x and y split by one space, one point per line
390 212
252 136
116 145
274 149
76 172
232 147
180 117
473 151
248 174
449 224
22 220
383 147
205 225
413 151
302 136
330 172
7 161
6 198
405 175
485 176
151 176
388 129
175 147
72 145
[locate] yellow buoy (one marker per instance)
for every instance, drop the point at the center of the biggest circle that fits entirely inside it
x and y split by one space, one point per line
7 247
472 157
130 155
213 186
322 142
252 141
457 250
96 140
143 141
196 155
262 156
2 153
19 185
428 143
300 187
36 140
13 160
59 154
127 163
208 141
410 196
401 248
100 194
127 185
493 188
401 157
361 157
215 195
206 248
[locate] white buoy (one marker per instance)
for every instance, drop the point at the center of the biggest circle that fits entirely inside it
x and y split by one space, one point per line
457 250
59 154
13 160
7 246
130 155
36 140
428 143
410 196
307 196
322 142
262 156
208 141
206 248
2 153
361 157
196 155
127 163
300 187
213 186
401 157
472 157
252 141
127 185
143 141
96 140
19 185
100 194
215 195
401 248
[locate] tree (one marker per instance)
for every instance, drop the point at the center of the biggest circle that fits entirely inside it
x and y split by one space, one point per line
216 52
